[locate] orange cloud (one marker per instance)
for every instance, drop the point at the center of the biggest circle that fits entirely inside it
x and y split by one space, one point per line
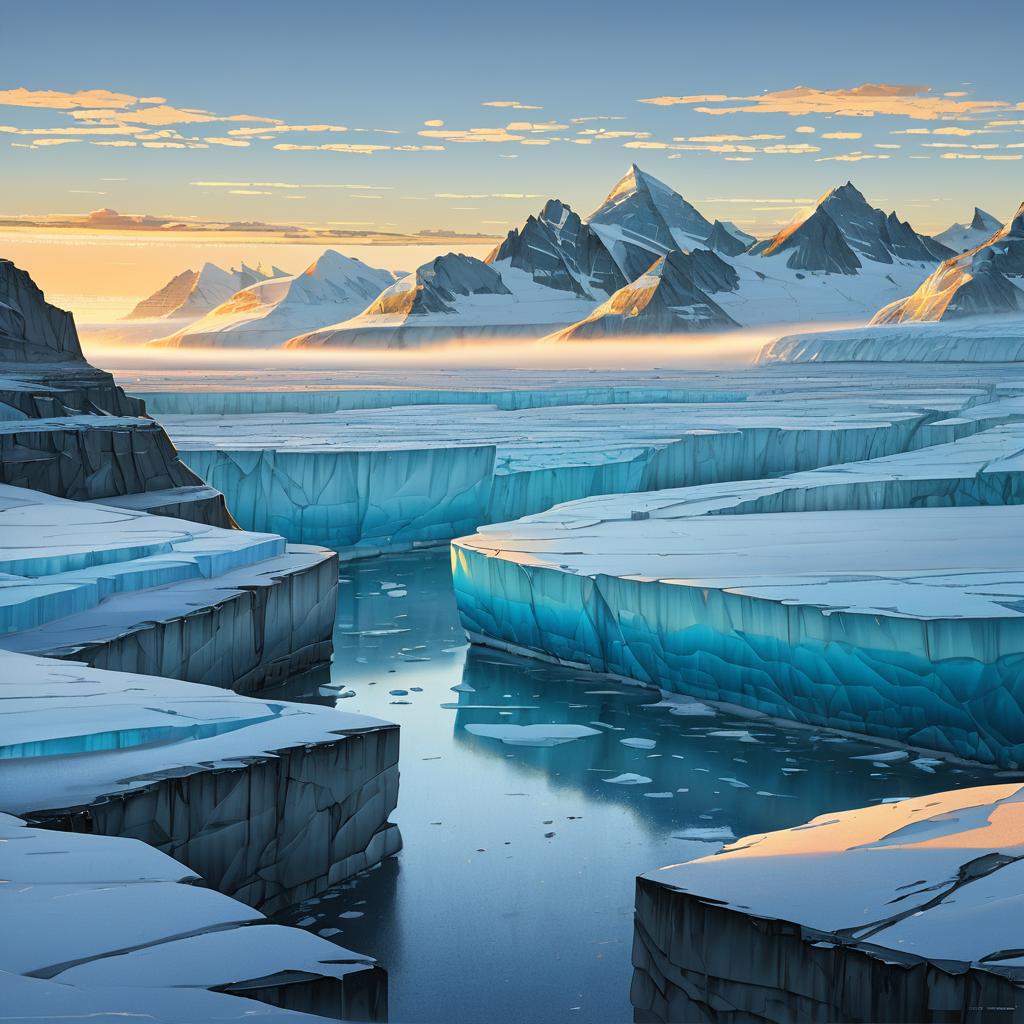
512 104
55 99
914 101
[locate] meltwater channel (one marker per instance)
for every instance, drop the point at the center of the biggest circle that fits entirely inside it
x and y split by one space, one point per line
512 899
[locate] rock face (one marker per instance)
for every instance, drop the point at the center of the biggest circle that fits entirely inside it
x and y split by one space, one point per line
984 281
67 429
559 251
901 911
99 928
266 314
726 241
642 219
192 293
843 230
671 298
962 237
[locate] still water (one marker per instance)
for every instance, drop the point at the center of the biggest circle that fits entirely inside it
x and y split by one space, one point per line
512 900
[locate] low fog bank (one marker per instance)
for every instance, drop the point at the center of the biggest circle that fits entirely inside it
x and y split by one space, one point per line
684 351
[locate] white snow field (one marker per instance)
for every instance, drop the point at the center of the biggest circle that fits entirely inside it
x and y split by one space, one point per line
104 929
885 597
126 590
364 471
903 911
271 802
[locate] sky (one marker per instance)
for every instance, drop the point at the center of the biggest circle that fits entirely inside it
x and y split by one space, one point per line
399 120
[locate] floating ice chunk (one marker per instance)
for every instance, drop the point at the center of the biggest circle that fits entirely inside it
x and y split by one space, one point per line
629 779
639 742
537 735
659 796
721 834
888 757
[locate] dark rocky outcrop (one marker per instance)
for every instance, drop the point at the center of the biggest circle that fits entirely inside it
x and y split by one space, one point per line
559 251
671 298
67 429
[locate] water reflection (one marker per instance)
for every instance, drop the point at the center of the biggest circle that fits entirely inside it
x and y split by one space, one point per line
512 899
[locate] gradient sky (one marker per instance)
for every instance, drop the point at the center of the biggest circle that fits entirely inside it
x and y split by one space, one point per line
397 65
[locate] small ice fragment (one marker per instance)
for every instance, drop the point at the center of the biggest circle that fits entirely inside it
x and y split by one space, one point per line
396 593
326 933
888 756
706 835
735 783
351 915
659 796
537 735
639 742
629 779
346 693
399 693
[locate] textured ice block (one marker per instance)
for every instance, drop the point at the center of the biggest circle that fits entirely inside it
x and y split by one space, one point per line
882 598
905 911
271 802
387 478
122 589
96 926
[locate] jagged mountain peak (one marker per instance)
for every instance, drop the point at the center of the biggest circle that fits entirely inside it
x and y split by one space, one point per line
725 241
987 280
982 221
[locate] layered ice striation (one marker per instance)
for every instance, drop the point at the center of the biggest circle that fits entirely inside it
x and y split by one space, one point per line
902 911
271 802
67 429
100 928
122 589
364 480
882 598
981 339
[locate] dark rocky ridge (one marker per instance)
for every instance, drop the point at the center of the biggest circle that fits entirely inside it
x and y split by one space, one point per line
560 251
671 298
67 429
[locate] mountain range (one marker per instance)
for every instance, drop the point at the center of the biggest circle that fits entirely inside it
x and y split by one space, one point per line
842 260
192 293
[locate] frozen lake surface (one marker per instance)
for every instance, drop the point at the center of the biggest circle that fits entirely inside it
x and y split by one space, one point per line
512 899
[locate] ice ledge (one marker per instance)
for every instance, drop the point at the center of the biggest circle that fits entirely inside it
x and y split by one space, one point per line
901 911
97 928
271 802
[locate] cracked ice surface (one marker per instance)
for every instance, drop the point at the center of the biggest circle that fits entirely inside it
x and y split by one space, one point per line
885 597
271 802
915 904
97 926
383 478
126 590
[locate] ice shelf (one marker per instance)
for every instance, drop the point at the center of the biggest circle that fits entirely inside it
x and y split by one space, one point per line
122 589
271 802
97 928
906 911
974 340
362 478
883 597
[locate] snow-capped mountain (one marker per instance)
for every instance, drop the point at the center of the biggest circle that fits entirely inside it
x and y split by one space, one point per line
192 293
844 231
455 296
642 219
270 312
673 297
961 237
559 251
984 281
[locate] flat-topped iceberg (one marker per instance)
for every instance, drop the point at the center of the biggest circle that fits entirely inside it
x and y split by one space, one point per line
883 598
100 928
901 911
123 589
271 802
